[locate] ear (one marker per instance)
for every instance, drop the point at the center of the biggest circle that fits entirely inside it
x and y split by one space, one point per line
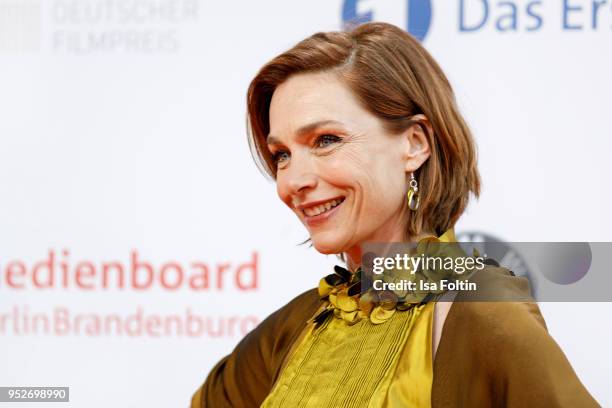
417 149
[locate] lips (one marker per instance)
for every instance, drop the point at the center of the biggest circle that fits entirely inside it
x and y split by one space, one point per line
317 214
315 210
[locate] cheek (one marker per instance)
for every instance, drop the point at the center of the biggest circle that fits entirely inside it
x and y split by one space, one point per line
282 190
376 180
347 166
337 172
382 185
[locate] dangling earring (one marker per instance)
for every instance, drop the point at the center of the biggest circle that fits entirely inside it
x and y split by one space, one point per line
413 194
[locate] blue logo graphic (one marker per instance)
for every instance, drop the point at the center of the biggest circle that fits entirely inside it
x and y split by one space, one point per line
417 21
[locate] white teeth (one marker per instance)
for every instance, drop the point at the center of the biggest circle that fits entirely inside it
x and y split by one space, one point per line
321 208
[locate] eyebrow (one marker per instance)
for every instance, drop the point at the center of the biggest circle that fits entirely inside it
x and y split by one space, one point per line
306 129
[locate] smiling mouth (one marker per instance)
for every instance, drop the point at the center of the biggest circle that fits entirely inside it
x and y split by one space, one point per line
323 208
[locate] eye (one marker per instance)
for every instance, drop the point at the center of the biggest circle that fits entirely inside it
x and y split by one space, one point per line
326 140
279 156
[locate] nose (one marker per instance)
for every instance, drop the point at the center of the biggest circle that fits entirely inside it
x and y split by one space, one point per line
302 183
298 178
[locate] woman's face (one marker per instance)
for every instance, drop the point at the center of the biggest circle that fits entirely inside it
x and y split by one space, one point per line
338 169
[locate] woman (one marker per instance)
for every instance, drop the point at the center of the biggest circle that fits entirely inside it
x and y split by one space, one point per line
362 134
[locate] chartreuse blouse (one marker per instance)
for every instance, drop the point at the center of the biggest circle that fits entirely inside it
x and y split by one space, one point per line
491 354
505 347
361 365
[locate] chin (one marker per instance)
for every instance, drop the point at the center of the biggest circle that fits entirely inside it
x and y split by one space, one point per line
327 245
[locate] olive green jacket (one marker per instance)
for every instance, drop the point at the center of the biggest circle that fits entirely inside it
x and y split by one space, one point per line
491 354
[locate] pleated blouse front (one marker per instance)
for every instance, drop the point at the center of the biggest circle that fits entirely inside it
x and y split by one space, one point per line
363 365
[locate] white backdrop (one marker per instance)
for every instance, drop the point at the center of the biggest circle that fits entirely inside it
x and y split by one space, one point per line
123 134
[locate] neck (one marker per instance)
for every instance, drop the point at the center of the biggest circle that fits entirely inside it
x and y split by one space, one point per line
353 259
353 255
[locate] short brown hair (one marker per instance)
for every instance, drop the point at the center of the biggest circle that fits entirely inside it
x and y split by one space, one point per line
394 78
